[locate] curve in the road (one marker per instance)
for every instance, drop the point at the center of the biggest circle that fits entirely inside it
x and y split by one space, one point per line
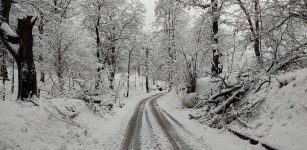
132 136
173 137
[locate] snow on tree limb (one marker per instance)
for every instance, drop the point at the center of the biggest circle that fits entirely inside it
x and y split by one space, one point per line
7 30
9 38
194 3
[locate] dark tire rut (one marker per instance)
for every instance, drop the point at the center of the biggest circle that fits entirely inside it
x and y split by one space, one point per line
132 139
133 132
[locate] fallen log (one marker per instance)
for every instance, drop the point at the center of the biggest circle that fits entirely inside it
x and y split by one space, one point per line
90 99
215 96
266 81
224 92
230 100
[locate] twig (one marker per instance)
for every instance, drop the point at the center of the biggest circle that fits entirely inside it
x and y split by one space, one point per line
71 122
244 123
260 86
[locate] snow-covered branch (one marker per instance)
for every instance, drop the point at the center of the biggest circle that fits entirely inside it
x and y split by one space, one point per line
9 38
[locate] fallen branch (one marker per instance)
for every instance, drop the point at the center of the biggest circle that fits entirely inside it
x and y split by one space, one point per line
244 124
90 99
215 96
222 79
30 100
70 121
230 100
224 92
266 81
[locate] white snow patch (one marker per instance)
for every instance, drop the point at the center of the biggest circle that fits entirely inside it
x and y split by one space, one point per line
15 47
7 29
282 119
215 139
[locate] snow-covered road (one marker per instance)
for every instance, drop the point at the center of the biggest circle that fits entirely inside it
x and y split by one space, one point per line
153 128
159 122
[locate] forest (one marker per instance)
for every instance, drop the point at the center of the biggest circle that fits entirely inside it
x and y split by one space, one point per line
238 65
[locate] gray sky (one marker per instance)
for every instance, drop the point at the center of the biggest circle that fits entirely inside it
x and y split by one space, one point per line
150 14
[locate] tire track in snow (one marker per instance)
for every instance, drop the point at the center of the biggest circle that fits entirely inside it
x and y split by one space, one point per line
132 135
188 136
176 142
180 125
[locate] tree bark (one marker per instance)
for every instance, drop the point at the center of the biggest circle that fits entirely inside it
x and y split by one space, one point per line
192 83
113 67
147 70
42 74
98 46
6 15
128 80
255 30
13 78
216 68
25 62
27 84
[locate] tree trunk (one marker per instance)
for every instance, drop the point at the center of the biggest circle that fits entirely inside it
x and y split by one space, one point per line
128 80
98 46
139 70
147 70
59 69
27 86
192 85
113 68
216 68
4 73
257 31
13 78
6 15
42 74
27 83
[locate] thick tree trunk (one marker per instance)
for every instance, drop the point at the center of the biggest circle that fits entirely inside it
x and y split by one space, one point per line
216 68
27 83
192 85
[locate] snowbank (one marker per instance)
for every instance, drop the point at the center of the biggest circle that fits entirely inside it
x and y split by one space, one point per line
28 127
213 138
63 124
281 121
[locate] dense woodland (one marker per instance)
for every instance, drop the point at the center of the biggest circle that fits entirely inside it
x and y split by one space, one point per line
76 48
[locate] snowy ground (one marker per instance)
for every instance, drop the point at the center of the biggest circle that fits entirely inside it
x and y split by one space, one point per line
27 127
214 139
281 121
281 118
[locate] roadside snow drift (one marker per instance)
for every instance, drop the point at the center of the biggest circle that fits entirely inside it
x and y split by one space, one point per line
281 121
